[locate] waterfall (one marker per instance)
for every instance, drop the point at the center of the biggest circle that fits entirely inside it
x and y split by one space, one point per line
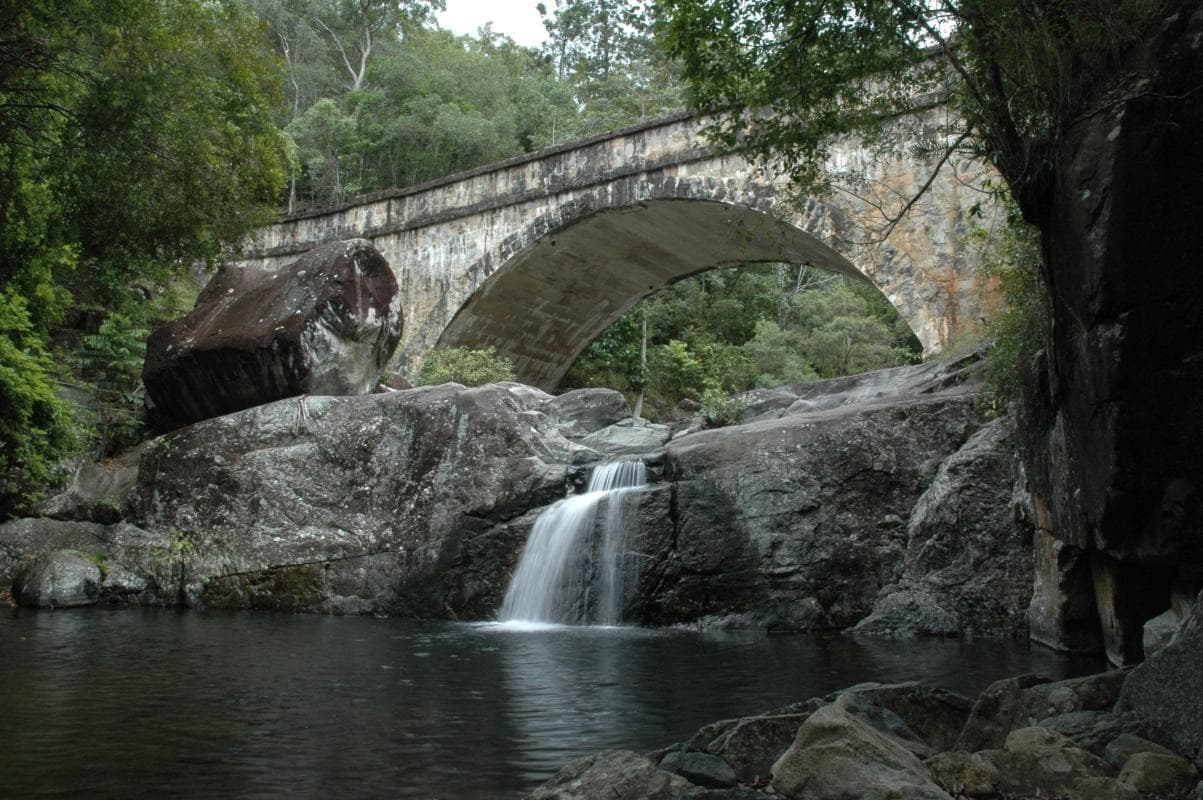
565 575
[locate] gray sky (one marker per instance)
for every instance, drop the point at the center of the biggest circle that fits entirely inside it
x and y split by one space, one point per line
516 18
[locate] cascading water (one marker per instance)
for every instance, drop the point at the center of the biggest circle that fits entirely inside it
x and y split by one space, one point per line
565 575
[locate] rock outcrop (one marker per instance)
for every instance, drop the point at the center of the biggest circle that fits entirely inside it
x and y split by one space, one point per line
1111 422
911 742
1168 688
798 520
419 503
968 558
325 324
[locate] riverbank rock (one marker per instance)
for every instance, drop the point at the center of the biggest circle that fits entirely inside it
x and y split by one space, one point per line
907 740
581 412
419 502
58 580
1167 689
97 491
1111 433
613 775
325 324
837 755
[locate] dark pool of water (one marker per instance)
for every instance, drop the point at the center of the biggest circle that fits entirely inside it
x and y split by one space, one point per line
102 703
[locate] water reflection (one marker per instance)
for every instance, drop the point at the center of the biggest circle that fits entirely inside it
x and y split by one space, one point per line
114 704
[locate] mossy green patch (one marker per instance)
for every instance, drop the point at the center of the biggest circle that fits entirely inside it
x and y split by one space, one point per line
290 589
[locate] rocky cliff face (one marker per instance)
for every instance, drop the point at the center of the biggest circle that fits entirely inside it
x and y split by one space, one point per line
1112 433
820 511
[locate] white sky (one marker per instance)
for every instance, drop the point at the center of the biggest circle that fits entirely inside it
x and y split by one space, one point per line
518 19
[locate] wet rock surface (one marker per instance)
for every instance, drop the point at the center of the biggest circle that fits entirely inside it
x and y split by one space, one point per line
325 324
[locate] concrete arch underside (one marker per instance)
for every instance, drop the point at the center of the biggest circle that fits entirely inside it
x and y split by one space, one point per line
548 301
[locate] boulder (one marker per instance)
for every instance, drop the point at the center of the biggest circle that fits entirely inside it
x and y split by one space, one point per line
613 775
1167 689
1025 700
753 744
1096 731
140 567
838 756
1067 773
968 563
1161 774
581 412
325 324
933 716
414 502
58 580
98 490
1124 746
700 769
629 437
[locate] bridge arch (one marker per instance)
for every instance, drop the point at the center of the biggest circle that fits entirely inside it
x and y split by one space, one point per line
575 276
503 255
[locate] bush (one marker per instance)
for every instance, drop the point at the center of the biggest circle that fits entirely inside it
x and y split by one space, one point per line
464 365
36 431
1011 258
110 360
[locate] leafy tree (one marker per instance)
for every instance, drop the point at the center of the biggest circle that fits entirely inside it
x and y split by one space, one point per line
728 331
110 360
605 51
1011 259
465 365
135 139
35 431
1017 71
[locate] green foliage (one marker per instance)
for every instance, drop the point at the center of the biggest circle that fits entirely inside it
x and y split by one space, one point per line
1017 72
1011 259
719 409
377 97
136 139
110 360
728 331
173 553
605 54
464 365
35 424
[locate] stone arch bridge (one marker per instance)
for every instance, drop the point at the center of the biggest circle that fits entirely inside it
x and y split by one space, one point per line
538 254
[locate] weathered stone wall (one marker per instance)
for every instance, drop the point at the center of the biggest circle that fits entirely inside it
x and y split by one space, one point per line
637 210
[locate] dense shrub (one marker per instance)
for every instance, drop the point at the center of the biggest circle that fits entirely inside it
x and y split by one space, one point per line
464 365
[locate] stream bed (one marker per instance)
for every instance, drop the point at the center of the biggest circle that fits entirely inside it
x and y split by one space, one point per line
129 703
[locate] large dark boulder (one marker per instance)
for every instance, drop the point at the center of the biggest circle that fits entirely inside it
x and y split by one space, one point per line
325 324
